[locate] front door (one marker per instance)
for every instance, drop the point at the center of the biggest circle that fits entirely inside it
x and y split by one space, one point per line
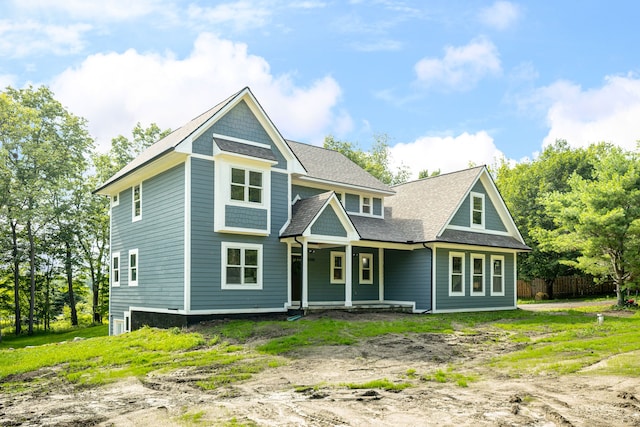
296 277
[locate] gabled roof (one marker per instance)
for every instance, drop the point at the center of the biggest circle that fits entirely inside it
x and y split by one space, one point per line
332 167
432 200
244 149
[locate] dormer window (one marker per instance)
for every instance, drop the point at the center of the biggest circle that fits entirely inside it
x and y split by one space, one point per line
477 210
246 185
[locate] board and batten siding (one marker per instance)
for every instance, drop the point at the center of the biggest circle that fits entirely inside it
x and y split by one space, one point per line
159 237
206 264
468 301
492 219
407 276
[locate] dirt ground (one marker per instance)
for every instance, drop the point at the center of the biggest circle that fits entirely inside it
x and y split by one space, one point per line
307 391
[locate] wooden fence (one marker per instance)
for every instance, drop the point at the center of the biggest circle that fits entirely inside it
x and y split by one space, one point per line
565 287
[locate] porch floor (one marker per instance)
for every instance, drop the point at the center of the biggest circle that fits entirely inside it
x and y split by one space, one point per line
402 308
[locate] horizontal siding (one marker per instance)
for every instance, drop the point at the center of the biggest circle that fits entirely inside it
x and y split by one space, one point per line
305 192
352 203
407 276
468 301
328 224
245 217
365 292
159 238
319 284
492 220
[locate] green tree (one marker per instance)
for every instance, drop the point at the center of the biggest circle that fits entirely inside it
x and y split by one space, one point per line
376 162
426 174
600 218
525 187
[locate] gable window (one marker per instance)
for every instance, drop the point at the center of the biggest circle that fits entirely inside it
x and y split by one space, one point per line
338 267
477 286
246 185
241 266
115 269
133 267
456 274
366 269
366 205
115 200
477 210
136 206
497 275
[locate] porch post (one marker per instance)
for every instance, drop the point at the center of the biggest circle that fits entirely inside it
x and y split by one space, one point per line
349 273
305 274
289 277
381 274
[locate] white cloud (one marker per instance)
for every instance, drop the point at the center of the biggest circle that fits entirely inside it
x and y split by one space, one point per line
447 154
7 80
94 10
20 39
377 46
113 91
608 113
500 15
241 14
461 67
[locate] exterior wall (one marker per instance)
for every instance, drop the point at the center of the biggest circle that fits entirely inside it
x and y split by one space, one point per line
352 203
319 285
206 290
492 219
407 276
159 238
377 206
240 216
304 192
362 291
468 301
328 224
240 122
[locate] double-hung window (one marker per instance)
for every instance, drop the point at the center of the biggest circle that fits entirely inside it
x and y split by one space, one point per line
338 267
133 267
366 269
497 275
246 185
366 205
477 210
136 206
241 266
115 269
477 264
456 274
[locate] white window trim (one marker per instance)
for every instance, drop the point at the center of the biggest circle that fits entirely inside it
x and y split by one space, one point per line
223 262
335 255
118 327
116 283
133 282
135 217
370 280
501 258
370 205
127 321
473 275
471 210
246 186
450 272
115 200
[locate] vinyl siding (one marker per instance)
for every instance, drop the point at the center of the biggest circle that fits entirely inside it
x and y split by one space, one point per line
159 238
365 292
407 276
206 291
328 224
377 206
492 219
244 217
319 285
468 301
304 192
352 203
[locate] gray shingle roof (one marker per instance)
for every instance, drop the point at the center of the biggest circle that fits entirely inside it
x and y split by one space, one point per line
378 229
481 239
332 166
422 208
303 212
245 149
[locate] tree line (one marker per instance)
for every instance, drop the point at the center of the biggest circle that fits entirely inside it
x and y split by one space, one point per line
578 209
54 230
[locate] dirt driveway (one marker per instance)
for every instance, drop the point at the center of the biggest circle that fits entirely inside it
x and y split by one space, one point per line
309 389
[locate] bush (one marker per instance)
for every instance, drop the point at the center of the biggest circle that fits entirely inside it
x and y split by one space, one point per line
540 296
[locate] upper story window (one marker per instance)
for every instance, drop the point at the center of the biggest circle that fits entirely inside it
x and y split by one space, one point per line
115 200
366 205
133 267
246 185
136 206
477 210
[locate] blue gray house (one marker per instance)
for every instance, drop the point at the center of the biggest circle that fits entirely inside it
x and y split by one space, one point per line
225 216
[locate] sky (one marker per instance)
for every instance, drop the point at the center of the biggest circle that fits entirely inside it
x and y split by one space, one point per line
449 82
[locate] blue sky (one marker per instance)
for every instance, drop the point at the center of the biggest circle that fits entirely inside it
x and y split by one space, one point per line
450 82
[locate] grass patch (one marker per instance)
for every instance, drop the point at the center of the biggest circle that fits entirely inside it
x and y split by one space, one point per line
383 384
447 376
53 336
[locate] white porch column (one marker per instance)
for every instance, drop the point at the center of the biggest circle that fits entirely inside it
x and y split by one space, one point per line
348 271
381 274
289 277
305 274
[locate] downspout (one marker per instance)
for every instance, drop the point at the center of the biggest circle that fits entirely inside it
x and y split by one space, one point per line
303 255
432 281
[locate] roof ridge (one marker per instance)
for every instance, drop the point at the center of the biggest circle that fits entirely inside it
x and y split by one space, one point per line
439 176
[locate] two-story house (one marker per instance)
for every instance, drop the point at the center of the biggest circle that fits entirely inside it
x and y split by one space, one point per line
225 216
